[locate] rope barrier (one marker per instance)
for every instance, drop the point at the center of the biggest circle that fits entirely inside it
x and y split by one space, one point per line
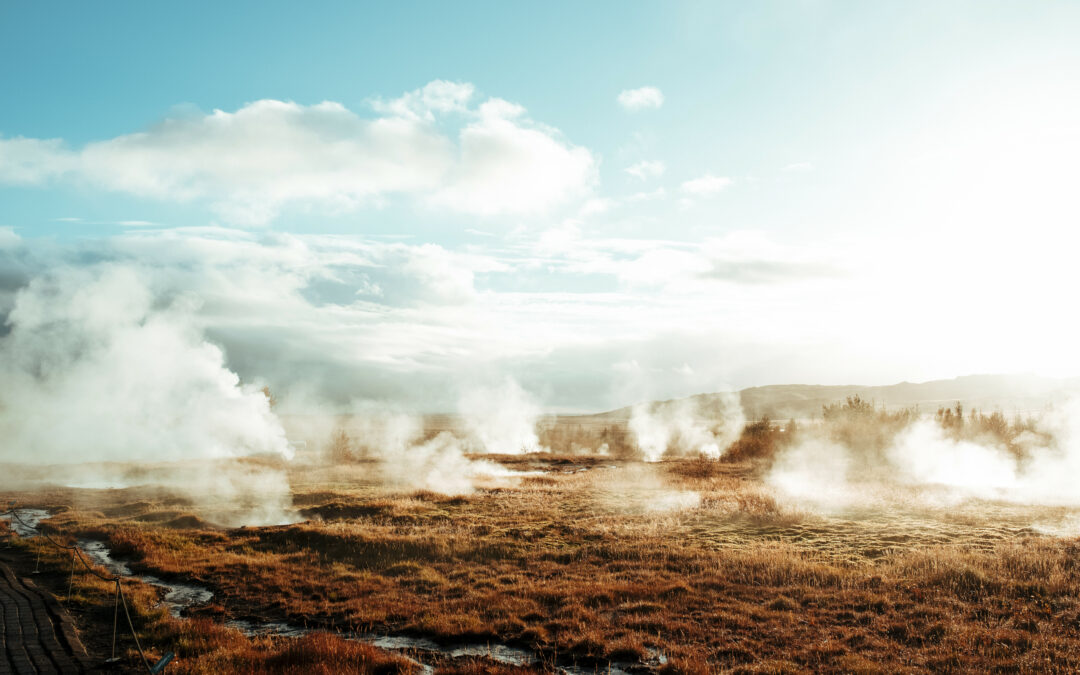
76 553
120 590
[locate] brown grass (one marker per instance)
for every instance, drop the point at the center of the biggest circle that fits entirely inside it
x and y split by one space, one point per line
569 565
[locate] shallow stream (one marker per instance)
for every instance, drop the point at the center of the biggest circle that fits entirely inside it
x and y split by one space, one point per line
180 595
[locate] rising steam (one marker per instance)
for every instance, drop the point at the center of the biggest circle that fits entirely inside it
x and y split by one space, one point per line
399 451
97 367
1039 468
500 419
399 454
700 426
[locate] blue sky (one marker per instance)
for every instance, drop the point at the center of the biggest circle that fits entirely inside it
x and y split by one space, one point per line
807 191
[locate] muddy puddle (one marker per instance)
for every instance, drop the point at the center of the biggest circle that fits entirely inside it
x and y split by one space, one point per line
178 596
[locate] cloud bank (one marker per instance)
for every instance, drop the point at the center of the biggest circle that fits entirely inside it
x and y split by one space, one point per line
353 317
431 145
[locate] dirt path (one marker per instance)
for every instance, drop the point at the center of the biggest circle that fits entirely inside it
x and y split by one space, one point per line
38 636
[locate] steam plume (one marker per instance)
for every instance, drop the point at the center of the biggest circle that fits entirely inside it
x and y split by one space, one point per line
686 427
1040 470
500 419
97 367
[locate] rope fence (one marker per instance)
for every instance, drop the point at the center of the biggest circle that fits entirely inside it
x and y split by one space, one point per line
119 600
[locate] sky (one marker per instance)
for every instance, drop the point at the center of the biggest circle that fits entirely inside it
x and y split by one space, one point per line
604 202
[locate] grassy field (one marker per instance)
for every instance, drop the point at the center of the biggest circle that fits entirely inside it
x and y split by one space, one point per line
592 560
697 561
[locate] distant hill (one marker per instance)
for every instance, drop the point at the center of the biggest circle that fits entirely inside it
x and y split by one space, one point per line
1007 393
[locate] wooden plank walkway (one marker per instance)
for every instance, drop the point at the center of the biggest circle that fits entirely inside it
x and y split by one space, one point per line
37 636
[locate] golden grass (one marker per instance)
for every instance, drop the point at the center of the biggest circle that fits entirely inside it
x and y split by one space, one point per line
572 567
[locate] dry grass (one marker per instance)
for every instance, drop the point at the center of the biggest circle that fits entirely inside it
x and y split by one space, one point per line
582 566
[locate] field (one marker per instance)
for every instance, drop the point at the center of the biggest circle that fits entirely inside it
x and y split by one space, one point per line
594 563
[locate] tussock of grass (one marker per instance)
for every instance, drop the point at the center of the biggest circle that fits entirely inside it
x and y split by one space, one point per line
739 582
315 654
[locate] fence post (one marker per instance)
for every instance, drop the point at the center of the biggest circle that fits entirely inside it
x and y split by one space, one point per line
115 618
118 600
71 579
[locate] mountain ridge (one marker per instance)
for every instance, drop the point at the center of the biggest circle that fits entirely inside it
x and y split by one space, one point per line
1004 392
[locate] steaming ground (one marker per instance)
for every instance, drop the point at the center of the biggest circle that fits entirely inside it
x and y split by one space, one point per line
109 381
106 370
602 559
923 463
937 542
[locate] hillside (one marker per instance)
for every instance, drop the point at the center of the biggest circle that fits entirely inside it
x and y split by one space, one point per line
1008 393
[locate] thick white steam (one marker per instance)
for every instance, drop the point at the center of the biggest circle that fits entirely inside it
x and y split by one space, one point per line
925 456
500 419
816 469
687 427
107 383
95 368
400 455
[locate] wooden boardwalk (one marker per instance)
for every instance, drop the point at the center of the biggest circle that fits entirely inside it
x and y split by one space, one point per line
38 636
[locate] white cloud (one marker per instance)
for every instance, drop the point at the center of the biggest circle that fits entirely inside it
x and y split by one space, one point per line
26 161
402 321
596 205
646 169
658 193
269 155
559 240
705 185
8 238
437 96
497 108
510 166
799 166
740 258
641 98
664 267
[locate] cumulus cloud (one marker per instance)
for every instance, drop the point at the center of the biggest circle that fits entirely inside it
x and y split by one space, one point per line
646 169
641 98
509 166
8 238
349 316
25 161
250 164
705 185
438 96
